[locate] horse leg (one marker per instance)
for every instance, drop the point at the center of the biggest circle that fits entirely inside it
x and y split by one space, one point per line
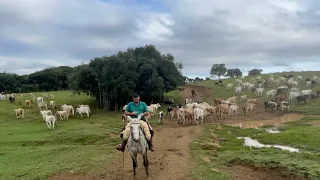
134 164
146 164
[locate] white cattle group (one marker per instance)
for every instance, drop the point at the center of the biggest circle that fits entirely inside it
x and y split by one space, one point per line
47 115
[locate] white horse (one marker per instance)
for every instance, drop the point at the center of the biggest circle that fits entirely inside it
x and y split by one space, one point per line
137 144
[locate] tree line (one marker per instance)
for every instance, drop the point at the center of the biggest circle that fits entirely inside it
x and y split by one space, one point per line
221 70
110 79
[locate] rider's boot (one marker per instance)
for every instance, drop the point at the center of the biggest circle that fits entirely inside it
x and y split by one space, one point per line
122 146
151 147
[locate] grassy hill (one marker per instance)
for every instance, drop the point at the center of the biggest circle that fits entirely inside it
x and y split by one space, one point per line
29 150
222 92
221 160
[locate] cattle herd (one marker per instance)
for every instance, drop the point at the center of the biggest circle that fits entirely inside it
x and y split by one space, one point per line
280 94
47 115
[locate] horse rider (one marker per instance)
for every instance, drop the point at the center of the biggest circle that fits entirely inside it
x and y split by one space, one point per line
133 110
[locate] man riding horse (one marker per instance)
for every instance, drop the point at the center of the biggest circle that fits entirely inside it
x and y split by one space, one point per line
133 110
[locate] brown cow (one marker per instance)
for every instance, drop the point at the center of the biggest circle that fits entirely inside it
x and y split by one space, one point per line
282 97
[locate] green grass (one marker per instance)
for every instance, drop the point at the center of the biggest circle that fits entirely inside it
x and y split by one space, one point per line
232 151
29 150
300 134
310 108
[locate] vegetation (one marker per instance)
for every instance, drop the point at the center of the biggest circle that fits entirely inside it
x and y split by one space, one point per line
254 72
218 70
111 80
302 134
231 151
29 150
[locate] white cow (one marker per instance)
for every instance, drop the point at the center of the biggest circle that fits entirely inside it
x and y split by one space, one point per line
237 89
198 114
306 92
82 110
52 104
233 108
271 93
259 91
69 108
293 95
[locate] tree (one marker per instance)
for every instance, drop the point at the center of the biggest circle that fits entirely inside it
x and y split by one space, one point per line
255 71
234 72
112 80
218 70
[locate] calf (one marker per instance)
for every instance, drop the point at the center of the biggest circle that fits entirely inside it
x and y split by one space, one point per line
161 117
270 106
19 113
28 103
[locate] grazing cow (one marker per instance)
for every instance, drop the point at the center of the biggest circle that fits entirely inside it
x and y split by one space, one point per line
314 83
19 113
302 98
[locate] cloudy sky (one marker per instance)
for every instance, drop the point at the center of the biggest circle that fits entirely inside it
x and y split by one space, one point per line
273 35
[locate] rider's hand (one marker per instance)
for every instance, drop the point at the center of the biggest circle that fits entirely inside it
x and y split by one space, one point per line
133 113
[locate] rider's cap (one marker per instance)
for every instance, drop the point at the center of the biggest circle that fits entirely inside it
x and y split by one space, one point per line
135 95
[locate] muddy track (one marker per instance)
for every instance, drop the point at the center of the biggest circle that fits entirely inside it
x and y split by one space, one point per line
170 161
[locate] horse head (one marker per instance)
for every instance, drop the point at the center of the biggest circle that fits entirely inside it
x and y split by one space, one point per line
135 126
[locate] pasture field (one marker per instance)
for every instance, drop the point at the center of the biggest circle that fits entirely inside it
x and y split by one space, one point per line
220 155
29 150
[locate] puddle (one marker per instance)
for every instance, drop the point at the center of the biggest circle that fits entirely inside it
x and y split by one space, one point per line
272 131
273 122
256 144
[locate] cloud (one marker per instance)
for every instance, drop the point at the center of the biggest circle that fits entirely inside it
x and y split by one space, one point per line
243 34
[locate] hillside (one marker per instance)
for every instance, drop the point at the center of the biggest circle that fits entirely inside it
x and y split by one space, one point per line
207 91
230 159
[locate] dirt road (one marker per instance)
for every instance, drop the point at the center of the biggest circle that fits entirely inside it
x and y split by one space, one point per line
170 161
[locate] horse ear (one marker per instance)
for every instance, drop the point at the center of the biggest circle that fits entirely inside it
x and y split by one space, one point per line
129 118
139 117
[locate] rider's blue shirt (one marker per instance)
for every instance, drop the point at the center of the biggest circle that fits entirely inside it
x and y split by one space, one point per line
140 108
